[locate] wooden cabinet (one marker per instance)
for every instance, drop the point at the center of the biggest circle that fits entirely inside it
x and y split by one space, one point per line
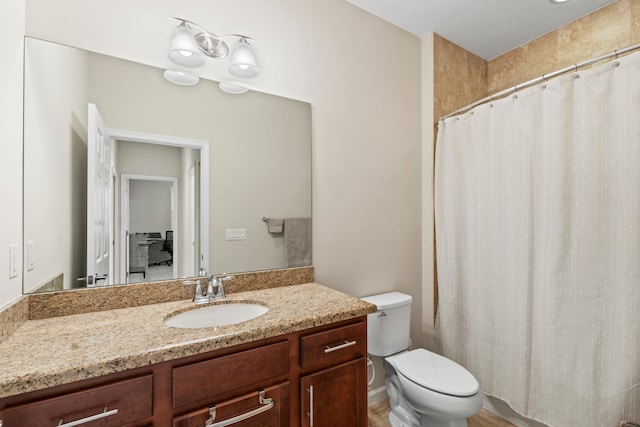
333 346
214 377
335 392
268 407
334 396
116 404
315 377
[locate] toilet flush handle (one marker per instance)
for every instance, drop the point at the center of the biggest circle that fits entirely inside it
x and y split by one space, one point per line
382 314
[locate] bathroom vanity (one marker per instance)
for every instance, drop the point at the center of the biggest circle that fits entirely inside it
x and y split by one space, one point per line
296 365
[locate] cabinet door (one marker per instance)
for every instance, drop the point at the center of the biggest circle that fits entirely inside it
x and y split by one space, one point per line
265 408
335 396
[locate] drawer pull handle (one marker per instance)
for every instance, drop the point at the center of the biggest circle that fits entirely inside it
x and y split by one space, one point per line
346 344
267 403
104 414
310 413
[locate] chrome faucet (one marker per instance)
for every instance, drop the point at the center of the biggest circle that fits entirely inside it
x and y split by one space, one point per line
216 287
199 297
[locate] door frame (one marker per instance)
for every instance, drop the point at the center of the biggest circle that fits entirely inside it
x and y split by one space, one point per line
172 141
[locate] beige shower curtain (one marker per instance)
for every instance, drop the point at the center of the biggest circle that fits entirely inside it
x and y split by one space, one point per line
538 241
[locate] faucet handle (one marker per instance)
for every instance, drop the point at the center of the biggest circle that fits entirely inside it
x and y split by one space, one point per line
217 281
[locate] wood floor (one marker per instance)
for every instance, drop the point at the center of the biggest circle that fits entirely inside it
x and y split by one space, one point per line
379 417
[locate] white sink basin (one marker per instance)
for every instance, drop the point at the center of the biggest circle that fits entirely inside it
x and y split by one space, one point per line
216 315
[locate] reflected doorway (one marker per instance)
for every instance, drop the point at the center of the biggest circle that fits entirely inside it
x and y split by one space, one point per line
150 220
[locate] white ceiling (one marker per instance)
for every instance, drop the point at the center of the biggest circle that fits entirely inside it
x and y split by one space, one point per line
487 28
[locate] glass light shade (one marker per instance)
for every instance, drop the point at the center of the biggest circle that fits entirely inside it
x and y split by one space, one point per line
232 88
181 78
243 63
184 50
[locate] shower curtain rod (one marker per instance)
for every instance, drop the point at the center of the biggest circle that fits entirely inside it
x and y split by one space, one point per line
542 78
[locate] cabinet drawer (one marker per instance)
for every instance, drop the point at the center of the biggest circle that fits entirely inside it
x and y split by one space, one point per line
248 410
204 380
334 346
109 405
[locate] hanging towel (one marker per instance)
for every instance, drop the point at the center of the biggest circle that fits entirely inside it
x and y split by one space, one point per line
274 225
297 241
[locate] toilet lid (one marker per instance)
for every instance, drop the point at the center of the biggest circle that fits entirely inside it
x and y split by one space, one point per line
436 373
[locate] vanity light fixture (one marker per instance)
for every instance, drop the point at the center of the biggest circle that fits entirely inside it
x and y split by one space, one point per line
191 43
558 1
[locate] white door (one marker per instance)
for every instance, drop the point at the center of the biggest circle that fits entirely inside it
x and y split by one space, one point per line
98 200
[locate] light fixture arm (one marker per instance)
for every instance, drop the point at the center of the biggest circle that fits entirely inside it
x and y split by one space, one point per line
191 42
192 25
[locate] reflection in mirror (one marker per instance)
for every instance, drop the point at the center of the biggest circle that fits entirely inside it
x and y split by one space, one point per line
173 150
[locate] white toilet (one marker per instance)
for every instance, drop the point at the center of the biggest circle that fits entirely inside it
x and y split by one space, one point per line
424 388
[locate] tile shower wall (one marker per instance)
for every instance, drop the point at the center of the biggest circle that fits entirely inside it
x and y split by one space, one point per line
460 77
605 30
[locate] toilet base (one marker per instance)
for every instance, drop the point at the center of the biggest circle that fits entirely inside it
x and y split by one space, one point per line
395 421
427 421
400 418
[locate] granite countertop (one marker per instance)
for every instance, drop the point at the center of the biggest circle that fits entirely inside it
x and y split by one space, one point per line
58 350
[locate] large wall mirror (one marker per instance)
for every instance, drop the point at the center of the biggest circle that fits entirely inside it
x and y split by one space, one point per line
131 178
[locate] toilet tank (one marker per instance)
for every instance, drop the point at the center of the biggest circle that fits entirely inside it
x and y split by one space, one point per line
388 328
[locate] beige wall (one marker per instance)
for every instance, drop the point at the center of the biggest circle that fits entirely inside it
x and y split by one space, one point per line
11 32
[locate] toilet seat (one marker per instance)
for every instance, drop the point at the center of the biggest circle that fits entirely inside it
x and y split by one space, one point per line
436 373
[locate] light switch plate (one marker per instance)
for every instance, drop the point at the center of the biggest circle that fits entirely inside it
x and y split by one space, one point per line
13 261
31 255
236 233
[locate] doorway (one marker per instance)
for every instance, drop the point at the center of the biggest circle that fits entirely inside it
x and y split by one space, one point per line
149 219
